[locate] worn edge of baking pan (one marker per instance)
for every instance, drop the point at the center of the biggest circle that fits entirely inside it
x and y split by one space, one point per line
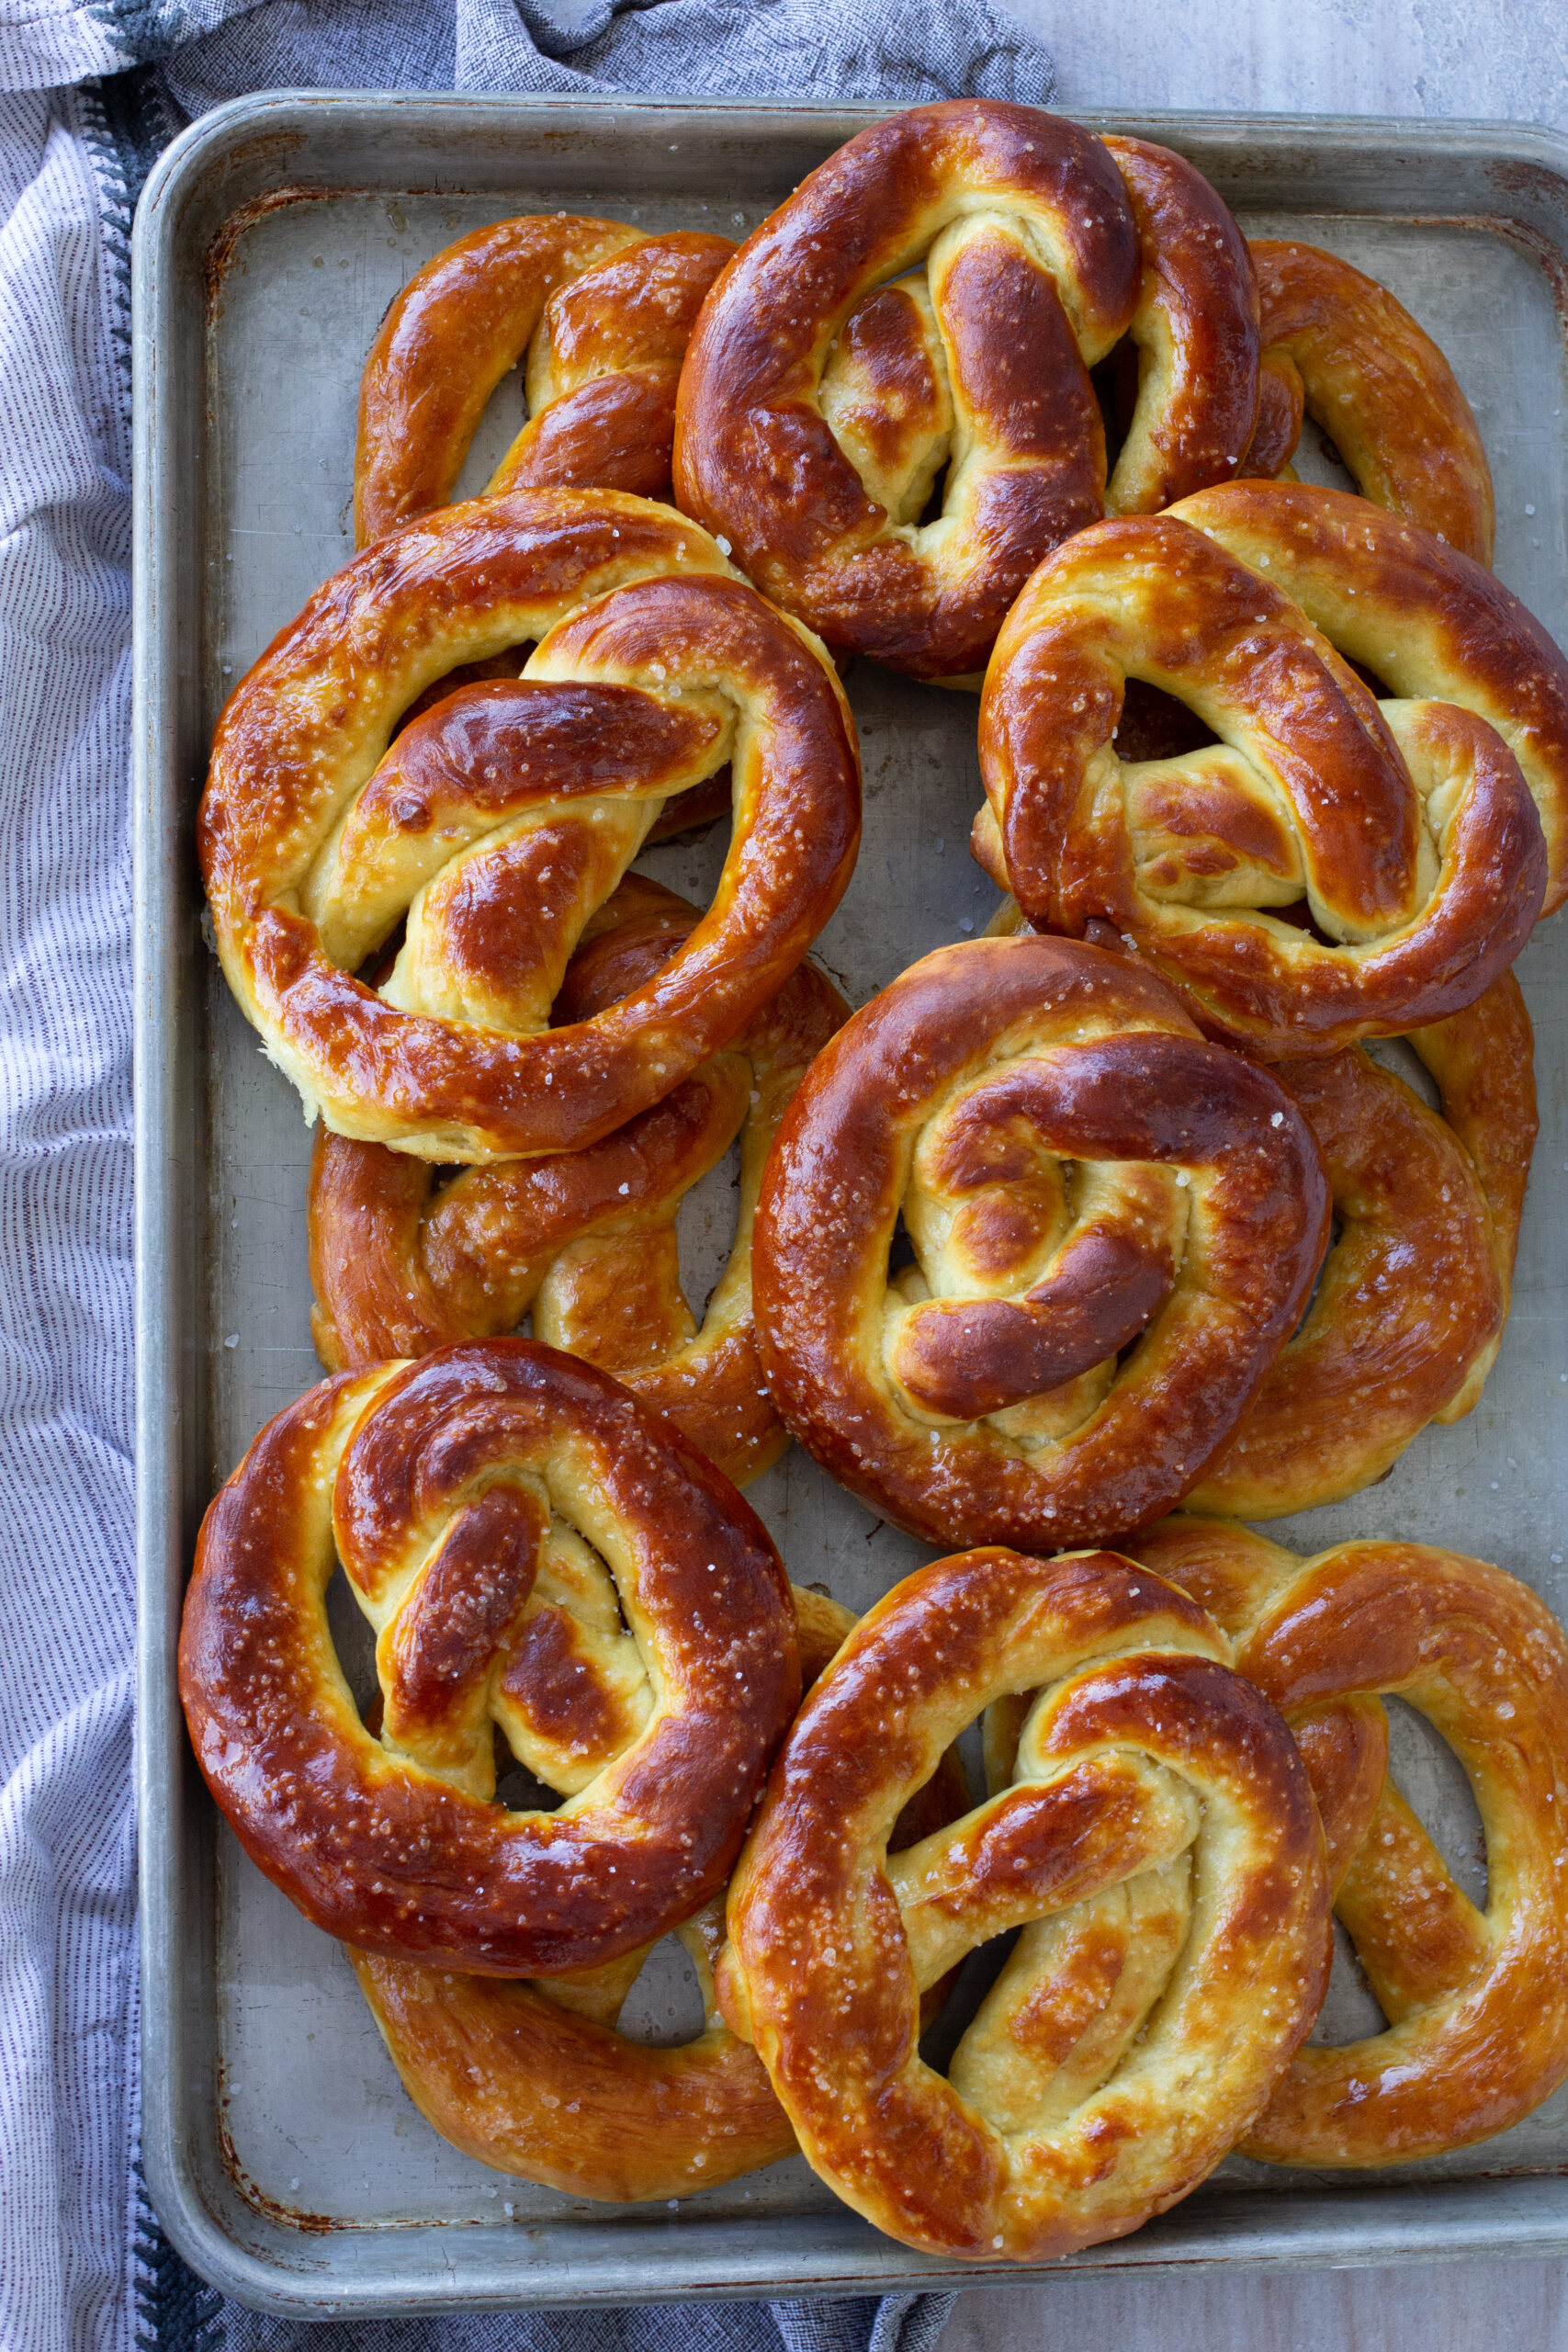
240 152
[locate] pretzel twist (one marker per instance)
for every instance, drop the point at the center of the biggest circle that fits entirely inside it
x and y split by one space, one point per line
488 1505
500 821
602 315
1407 1318
1476 2000
935 294
586 1239
1422 836
537 2079
1150 1779
1340 348
1077 1171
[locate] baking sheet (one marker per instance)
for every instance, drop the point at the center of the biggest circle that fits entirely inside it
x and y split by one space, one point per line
283 2154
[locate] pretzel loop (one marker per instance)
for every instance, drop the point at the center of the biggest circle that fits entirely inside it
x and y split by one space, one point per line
539 1558
1477 2033
1148 1774
505 814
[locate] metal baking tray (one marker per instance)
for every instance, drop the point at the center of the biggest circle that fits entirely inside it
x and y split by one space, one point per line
286 2162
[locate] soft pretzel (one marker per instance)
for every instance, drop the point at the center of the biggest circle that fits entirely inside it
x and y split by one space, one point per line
1421 837
500 821
1407 1318
1077 1171
1476 2000
536 2080
586 1239
1156 1794
603 314
932 295
1338 345
499 1510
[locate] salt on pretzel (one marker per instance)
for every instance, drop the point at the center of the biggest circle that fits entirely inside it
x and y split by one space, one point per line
536 2079
539 1555
1152 1786
1078 1171
1421 836
603 314
497 822
1341 347
586 1239
1476 2000
1406 1321
932 295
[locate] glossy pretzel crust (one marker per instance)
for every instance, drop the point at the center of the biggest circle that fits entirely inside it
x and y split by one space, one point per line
1477 2000
649 640
603 314
1421 835
1338 345
1198 1220
585 1239
1407 1318
1146 1759
440 1485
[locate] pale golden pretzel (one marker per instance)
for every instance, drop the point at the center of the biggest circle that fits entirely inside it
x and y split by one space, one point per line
1476 2000
1418 837
536 2079
586 1240
933 296
603 314
541 1556
1341 347
1151 1784
1407 1318
496 823
1116 1226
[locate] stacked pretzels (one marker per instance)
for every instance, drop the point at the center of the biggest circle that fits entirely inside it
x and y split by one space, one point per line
1078 1245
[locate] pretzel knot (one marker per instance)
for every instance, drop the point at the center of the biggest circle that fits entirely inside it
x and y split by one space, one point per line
1339 347
497 823
1476 2000
1405 1322
499 1510
1418 834
602 315
1154 1790
933 297
1080 1175
586 1239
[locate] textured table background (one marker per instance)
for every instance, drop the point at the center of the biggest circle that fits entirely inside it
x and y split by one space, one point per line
1504 60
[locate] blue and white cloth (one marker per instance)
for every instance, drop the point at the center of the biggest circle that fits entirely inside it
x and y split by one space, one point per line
89 91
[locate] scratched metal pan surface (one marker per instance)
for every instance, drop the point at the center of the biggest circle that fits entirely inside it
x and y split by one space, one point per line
284 2157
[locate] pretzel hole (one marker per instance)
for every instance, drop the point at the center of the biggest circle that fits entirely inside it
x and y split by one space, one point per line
1318 460
1156 725
932 512
972 1981
664 2007
1399 1056
506 412
704 1231
1351 2012
1435 1787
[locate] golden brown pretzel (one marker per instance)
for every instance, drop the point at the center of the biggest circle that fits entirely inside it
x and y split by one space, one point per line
1338 345
1477 2000
1420 836
499 1508
1407 1318
603 314
536 2079
1078 1171
1154 1787
503 817
585 1239
825 389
